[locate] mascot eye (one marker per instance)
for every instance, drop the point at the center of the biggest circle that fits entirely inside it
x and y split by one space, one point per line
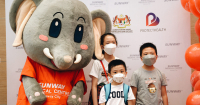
78 34
55 28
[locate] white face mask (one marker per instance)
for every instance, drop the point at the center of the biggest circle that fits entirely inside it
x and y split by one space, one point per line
119 78
110 48
149 59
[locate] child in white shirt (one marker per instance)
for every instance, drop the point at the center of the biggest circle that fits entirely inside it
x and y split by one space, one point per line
116 93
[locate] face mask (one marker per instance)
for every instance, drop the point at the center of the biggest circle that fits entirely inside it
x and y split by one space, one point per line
119 78
149 59
152 90
110 48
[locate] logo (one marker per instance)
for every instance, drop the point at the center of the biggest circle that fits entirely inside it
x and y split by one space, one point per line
146 2
19 70
174 91
172 44
123 46
20 47
134 56
121 3
173 67
121 21
162 56
154 22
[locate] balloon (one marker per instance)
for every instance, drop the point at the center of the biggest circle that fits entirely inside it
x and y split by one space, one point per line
195 77
197 86
193 98
193 8
192 56
197 4
197 28
185 4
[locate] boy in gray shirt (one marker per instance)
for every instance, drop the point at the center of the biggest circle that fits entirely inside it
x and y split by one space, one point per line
148 83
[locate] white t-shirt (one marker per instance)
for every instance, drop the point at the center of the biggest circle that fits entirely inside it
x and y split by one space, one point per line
116 95
98 72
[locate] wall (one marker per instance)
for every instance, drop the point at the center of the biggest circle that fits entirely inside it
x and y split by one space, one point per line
3 85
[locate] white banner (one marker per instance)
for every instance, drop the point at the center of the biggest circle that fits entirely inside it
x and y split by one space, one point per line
133 26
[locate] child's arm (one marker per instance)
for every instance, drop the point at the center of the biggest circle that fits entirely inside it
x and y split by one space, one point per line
134 89
94 90
130 102
164 95
102 103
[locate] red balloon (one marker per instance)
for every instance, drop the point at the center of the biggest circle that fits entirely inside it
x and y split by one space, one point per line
197 86
197 28
193 8
197 4
193 98
192 56
185 4
195 77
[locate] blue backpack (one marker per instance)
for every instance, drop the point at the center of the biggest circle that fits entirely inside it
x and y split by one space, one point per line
107 89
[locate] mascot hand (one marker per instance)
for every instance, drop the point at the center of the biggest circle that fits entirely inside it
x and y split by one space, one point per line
33 91
76 95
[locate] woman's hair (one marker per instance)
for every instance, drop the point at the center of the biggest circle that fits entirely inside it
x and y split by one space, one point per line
102 40
103 37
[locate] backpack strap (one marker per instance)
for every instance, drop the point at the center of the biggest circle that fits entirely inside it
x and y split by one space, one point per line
126 90
107 89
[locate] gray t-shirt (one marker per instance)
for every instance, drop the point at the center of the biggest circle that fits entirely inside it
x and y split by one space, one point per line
143 79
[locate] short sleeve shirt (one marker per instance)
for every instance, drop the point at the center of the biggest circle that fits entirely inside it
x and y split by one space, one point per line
56 85
143 80
116 95
98 72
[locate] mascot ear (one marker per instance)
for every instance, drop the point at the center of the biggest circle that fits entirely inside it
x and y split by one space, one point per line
20 13
101 25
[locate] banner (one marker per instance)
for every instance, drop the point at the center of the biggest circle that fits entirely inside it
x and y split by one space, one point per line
134 22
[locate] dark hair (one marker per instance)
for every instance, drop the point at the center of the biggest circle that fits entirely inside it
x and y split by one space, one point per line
145 45
103 37
102 40
114 63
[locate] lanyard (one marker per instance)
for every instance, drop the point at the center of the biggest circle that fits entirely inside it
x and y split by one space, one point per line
104 70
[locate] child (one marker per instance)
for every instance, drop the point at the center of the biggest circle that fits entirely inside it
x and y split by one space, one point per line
116 92
99 69
148 82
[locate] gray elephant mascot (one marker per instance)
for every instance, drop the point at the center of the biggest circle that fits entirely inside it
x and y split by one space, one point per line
59 38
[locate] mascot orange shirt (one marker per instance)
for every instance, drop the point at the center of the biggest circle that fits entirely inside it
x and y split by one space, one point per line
56 85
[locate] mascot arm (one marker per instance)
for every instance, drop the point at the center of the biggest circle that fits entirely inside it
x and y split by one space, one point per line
76 94
33 91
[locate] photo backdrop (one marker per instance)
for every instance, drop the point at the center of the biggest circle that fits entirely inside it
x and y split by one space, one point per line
162 22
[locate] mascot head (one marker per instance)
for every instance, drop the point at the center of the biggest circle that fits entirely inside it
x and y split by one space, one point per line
59 34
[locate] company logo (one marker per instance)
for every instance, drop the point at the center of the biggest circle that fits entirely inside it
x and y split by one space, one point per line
172 44
128 68
154 22
173 67
89 81
162 56
121 3
146 2
98 3
134 56
123 46
19 70
121 21
170 0
174 91
20 47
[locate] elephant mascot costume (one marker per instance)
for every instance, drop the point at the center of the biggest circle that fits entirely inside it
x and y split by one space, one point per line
59 38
